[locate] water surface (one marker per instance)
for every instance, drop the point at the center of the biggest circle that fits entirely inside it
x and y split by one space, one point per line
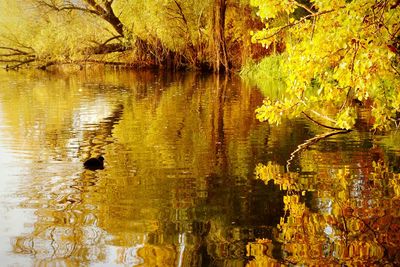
179 186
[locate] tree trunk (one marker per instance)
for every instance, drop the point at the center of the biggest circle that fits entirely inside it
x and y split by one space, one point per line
113 19
220 54
107 13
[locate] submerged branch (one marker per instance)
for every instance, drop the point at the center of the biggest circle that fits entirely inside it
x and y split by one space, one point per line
14 57
18 64
82 62
310 142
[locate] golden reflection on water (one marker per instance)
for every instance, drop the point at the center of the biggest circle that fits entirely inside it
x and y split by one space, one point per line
171 144
179 185
341 209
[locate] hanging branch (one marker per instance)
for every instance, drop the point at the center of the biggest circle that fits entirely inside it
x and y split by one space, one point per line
321 124
312 15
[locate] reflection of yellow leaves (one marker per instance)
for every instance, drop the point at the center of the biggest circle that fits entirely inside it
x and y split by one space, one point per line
395 184
352 206
268 172
290 227
343 176
275 172
157 255
362 249
261 250
380 170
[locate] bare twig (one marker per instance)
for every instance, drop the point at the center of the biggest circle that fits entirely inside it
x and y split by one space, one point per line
346 99
356 47
313 28
394 68
304 7
180 12
19 51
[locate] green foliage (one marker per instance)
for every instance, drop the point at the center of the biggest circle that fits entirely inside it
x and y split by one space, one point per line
392 141
267 75
338 51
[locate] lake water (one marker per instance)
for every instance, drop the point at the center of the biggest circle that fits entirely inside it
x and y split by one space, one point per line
191 178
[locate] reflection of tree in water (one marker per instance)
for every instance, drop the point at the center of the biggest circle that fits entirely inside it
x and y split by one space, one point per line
193 222
66 231
348 214
229 209
101 136
239 214
177 188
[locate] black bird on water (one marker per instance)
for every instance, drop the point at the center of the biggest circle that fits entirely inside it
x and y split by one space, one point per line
94 163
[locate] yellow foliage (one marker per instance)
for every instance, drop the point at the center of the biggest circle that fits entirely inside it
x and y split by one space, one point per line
334 50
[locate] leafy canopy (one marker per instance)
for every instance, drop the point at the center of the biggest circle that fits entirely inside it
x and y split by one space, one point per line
337 53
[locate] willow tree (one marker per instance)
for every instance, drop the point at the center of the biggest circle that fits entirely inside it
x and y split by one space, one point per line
166 34
102 12
339 54
40 33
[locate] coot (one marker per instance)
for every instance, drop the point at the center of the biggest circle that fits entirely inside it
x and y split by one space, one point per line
94 163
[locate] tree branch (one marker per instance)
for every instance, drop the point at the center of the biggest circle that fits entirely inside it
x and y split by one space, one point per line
20 52
321 124
312 15
112 38
181 12
394 68
66 6
304 7
19 63
92 7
